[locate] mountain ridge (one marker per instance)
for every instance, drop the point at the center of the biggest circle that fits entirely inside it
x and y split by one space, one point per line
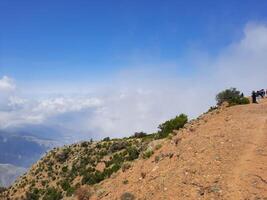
220 155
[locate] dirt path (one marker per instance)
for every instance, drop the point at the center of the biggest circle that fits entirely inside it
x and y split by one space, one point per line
249 178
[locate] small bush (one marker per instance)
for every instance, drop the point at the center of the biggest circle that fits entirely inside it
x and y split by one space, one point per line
133 153
117 146
139 134
44 183
64 169
106 139
84 144
52 194
212 108
172 124
127 196
70 191
147 154
232 96
93 178
33 195
63 155
158 146
157 159
143 175
65 185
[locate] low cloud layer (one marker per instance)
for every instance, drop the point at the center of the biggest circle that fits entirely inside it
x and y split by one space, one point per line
144 96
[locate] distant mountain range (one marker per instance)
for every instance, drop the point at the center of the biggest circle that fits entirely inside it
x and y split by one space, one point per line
21 147
8 173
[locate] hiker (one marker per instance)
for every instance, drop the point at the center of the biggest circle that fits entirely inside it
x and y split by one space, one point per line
259 93
254 97
262 91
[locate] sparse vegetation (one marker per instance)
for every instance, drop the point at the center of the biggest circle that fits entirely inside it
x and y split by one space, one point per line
158 146
127 196
106 139
148 153
232 96
133 153
173 124
33 195
61 166
139 134
52 194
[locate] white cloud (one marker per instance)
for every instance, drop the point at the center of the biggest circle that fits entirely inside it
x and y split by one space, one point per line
7 84
144 96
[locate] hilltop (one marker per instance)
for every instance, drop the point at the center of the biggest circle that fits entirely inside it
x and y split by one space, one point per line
220 155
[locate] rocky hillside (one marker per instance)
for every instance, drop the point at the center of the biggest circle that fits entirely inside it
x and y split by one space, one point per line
220 155
64 170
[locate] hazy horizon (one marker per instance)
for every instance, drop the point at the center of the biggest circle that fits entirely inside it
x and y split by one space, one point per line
96 69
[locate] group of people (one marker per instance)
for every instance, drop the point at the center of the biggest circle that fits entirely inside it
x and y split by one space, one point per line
260 93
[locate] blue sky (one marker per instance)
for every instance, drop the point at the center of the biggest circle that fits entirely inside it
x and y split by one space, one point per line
59 40
110 68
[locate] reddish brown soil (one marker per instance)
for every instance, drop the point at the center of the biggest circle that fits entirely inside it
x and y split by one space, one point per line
223 155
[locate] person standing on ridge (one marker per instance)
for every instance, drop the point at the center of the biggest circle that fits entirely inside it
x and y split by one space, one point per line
254 97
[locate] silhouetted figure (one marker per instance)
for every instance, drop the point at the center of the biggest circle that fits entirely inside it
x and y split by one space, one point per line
262 93
254 97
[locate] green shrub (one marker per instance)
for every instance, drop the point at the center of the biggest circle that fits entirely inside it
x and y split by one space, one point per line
172 124
84 144
65 185
117 158
139 134
93 178
70 191
43 182
106 139
33 194
133 153
158 146
232 96
52 194
64 169
244 100
127 196
147 154
63 155
117 146
103 153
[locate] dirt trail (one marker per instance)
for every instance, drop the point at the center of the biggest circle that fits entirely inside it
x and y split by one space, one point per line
222 155
250 172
